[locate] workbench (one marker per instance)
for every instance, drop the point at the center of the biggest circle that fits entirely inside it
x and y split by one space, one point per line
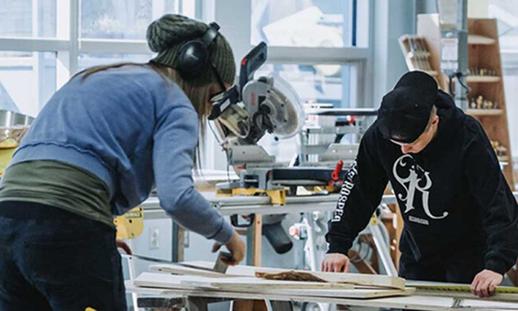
197 300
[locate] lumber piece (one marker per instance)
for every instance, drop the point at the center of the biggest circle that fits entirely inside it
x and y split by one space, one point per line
330 277
264 287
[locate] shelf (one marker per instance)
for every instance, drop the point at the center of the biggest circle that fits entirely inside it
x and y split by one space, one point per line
433 73
484 112
480 40
503 159
488 79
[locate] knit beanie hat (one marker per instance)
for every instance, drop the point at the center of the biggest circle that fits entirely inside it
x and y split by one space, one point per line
167 34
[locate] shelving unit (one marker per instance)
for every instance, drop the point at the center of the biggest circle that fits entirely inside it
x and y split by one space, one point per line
484 58
417 55
484 112
485 53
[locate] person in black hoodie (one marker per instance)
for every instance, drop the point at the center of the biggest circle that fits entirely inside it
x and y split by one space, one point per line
461 218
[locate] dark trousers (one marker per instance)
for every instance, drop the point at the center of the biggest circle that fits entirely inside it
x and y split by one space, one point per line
51 259
458 266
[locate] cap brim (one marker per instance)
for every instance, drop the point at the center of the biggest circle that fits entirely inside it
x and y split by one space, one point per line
404 129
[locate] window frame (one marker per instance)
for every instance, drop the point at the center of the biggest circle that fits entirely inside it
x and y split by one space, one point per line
234 19
68 45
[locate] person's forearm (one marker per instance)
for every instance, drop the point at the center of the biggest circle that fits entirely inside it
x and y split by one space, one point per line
194 213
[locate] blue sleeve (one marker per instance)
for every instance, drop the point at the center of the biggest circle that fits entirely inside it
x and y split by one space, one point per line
175 139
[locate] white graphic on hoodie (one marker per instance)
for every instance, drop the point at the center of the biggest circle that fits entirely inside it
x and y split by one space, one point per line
413 178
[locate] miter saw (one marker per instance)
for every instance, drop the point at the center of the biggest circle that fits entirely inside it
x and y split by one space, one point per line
248 111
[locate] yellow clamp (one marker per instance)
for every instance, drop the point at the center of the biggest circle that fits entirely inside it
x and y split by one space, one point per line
277 196
130 225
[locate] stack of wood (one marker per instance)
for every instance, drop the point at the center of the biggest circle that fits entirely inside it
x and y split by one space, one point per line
266 281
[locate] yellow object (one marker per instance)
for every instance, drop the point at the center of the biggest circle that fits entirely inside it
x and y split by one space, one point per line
459 287
90 309
8 143
277 196
130 225
6 154
374 219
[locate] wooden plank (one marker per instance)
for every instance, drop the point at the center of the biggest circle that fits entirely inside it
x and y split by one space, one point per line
414 302
161 280
259 286
480 40
257 236
352 278
252 283
181 270
482 79
484 112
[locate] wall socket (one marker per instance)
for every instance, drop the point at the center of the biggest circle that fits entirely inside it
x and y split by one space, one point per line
154 238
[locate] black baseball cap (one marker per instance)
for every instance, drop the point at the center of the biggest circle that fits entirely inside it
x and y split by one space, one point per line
405 111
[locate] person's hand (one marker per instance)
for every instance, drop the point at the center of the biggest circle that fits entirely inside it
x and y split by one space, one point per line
236 246
122 245
335 262
485 283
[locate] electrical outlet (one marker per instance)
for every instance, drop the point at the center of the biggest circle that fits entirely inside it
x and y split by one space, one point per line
154 238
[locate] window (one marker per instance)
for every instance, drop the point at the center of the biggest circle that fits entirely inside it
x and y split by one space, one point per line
27 79
331 84
44 42
28 18
126 19
319 46
317 23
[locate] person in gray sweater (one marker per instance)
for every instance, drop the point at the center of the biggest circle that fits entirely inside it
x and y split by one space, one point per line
96 150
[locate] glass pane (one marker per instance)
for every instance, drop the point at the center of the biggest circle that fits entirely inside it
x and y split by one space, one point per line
27 80
506 12
321 84
126 19
94 59
310 23
28 18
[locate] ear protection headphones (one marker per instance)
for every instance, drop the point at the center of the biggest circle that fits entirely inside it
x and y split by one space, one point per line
193 56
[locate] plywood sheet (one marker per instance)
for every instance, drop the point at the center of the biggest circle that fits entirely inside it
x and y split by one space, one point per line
263 287
351 278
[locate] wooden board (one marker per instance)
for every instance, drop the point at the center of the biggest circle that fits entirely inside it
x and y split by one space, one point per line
241 270
481 40
414 302
260 286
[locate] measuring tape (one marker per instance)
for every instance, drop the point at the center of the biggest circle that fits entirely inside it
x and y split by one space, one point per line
459 288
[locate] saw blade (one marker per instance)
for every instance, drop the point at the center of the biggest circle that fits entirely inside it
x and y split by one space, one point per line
286 113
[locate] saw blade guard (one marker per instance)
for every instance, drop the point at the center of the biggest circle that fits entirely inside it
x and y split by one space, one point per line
277 104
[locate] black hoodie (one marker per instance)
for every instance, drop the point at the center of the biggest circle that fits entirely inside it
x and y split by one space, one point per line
452 194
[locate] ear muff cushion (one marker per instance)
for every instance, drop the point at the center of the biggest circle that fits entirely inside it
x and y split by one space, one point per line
192 59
